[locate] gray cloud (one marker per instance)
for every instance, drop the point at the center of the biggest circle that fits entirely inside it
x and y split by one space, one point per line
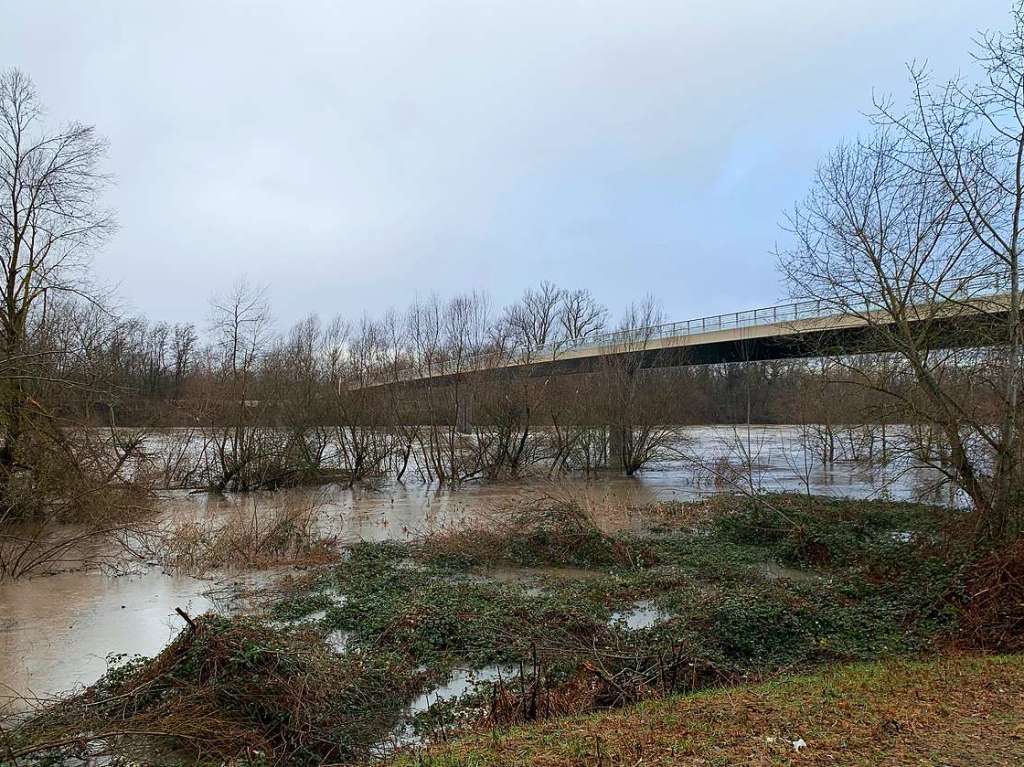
352 155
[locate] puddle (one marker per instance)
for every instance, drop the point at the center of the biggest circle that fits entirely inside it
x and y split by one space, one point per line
458 684
411 565
533 574
337 600
643 615
337 640
773 571
531 579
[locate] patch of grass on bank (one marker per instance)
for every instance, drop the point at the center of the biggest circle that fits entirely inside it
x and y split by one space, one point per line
831 533
551 531
950 710
441 619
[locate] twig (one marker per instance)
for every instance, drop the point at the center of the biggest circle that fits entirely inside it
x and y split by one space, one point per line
191 623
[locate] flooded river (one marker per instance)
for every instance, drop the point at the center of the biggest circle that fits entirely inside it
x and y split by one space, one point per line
56 631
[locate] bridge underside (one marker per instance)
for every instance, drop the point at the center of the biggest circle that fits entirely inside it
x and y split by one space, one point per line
941 334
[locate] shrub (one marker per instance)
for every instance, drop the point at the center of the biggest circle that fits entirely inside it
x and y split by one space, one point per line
231 690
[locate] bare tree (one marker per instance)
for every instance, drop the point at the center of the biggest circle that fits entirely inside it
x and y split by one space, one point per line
183 349
50 219
580 316
635 401
914 231
362 427
533 320
240 325
61 348
398 355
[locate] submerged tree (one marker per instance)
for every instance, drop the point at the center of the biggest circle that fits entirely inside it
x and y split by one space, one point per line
634 400
244 448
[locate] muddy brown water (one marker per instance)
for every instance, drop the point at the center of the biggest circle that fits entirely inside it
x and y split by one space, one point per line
56 631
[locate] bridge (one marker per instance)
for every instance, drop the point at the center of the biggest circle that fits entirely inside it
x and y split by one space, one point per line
962 315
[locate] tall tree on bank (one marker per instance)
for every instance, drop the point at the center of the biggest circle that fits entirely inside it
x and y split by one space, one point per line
921 223
50 220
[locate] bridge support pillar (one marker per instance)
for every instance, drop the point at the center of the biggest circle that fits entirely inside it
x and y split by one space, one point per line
464 414
615 448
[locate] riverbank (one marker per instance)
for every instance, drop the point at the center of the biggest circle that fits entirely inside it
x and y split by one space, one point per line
196 535
958 710
540 614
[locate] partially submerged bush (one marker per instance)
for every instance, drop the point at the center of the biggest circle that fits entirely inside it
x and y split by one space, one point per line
821 532
252 536
547 531
226 691
76 496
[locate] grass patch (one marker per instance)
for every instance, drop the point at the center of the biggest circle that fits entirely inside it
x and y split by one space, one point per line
813 531
949 710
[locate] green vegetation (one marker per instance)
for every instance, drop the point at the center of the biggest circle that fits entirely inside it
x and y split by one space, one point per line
716 593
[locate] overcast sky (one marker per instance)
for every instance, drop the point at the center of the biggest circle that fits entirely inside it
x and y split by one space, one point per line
352 155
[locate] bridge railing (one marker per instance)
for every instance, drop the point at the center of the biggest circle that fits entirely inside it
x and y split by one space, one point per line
770 315
949 288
